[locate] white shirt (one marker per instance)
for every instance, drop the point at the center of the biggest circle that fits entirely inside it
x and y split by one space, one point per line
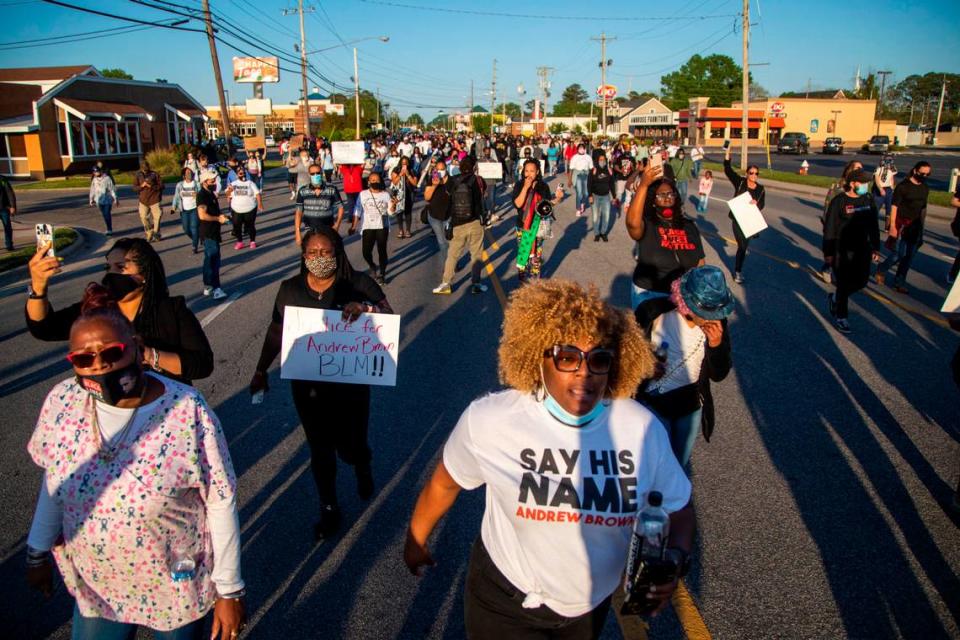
885 176
581 162
243 198
424 146
373 208
561 501
405 149
685 351
696 153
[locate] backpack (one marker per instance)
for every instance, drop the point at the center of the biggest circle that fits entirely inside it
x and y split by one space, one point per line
461 201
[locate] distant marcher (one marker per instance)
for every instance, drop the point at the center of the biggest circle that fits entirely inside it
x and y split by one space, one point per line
600 189
850 238
318 205
192 164
334 416
103 195
696 156
682 171
908 216
884 179
8 207
403 181
703 191
255 168
834 190
245 203
955 229
438 207
688 331
149 188
528 194
185 203
208 211
466 228
373 212
578 169
758 197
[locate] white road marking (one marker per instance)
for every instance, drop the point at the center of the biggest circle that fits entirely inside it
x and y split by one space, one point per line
210 317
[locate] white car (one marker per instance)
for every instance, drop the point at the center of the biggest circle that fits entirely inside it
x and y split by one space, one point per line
269 141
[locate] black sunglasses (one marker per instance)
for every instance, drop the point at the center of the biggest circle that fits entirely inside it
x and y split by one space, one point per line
568 358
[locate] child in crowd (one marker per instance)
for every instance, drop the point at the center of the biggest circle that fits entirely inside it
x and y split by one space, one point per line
706 186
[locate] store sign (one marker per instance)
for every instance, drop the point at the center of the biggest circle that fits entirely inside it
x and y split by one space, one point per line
777 108
607 91
814 125
265 69
778 114
259 106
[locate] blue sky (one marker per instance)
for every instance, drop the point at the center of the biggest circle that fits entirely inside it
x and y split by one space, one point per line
432 54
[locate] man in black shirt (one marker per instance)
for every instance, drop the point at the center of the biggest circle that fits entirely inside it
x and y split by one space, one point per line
208 210
907 218
466 215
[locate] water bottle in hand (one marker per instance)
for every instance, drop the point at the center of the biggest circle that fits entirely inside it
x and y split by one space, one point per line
646 565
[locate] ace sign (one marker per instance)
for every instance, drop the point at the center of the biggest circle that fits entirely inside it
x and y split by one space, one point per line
319 345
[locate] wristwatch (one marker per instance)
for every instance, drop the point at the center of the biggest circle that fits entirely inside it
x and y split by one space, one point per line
682 560
33 295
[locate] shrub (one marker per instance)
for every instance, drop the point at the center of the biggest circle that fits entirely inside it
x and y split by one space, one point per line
557 127
164 162
181 150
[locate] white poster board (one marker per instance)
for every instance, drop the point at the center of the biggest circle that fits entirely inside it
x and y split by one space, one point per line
318 345
490 170
747 215
952 303
348 152
259 106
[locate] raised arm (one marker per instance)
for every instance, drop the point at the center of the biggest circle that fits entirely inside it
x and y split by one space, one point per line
634 217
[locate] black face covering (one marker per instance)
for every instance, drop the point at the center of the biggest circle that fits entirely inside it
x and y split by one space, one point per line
120 285
116 385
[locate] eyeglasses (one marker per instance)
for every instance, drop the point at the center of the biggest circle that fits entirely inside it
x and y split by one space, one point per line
567 358
753 173
666 195
110 354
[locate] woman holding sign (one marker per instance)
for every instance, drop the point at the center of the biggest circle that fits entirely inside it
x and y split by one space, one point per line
758 198
334 415
568 458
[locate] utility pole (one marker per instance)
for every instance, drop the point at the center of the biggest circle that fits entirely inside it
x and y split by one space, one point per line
603 76
493 94
224 115
544 74
378 107
744 118
943 94
883 79
470 110
303 63
356 92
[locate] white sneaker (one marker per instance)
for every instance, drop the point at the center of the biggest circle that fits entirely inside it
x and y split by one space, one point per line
443 289
293 196
219 294
207 291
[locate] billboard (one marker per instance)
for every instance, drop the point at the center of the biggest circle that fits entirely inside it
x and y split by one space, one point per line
266 69
259 106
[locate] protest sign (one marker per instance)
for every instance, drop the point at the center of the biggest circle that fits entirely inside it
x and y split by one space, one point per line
348 152
318 345
747 215
296 142
490 170
952 302
251 143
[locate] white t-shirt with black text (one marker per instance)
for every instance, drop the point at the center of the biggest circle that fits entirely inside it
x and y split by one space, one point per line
561 501
373 208
243 198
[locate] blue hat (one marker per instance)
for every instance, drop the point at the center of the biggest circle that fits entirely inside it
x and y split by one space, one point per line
705 292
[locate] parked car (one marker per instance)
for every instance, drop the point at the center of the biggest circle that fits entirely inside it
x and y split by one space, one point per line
832 145
794 143
879 144
269 141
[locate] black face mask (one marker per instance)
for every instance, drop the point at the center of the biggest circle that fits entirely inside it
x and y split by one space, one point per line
376 186
919 177
114 386
120 285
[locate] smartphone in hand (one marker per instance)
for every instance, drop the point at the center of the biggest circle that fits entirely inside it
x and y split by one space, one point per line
655 160
726 145
44 233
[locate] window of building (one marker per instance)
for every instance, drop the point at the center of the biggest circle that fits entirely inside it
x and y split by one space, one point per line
753 134
4 150
62 139
18 146
716 132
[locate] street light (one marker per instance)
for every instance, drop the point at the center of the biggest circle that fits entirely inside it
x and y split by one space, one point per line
343 44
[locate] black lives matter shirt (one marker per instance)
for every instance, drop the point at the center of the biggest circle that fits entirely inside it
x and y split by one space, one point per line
561 501
666 253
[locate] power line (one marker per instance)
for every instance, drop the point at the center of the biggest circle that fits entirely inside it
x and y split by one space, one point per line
125 31
116 17
501 14
68 36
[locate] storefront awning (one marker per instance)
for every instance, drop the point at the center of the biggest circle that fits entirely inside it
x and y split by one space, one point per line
84 109
776 123
186 112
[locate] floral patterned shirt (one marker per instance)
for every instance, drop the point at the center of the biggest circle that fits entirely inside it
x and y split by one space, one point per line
125 521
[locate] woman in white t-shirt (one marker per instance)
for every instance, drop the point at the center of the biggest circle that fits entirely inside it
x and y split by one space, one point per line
568 460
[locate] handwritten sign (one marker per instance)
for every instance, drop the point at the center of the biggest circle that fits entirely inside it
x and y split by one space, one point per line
747 215
318 345
348 152
490 170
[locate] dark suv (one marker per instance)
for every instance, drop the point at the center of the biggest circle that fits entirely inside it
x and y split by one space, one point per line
793 143
833 145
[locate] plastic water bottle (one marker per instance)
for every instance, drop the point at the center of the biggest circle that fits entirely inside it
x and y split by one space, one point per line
645 562
257 398
183 567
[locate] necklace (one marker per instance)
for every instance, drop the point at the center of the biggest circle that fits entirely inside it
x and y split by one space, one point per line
108 453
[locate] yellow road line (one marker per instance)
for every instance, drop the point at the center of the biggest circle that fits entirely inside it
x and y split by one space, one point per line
491 272
870 291
686 609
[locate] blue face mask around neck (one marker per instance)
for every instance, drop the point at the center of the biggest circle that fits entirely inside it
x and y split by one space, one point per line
862 189
559 413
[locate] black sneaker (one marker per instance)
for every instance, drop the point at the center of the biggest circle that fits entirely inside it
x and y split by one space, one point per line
328 524
365 485
832 304
381 280
596 238
604 237
842 325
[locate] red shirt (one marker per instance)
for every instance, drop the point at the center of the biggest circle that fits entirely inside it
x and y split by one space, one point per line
569 152
352 177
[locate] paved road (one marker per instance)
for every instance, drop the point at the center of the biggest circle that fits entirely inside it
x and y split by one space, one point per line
819 499
941 162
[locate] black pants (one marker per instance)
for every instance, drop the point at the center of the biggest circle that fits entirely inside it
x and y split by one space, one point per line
327 175
405 218
378 237
245 221
742 243
493 608
955 269
334 418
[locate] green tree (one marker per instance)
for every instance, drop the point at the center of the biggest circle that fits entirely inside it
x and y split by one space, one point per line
642 96
415 119
557 128
574 93
481 123
908 99
716 76
573 100
512 109
116 73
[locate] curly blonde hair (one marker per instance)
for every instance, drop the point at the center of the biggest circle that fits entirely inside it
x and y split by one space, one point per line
551 312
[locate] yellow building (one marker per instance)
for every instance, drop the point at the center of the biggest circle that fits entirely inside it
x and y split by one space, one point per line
820 118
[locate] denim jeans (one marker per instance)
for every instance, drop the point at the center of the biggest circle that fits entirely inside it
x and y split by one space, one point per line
211 263
107 218
884 204
682 188
902 257
490 198
683 434
7 229
703 203
580 189
191 226
696 168
442 242
102 629
601 214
